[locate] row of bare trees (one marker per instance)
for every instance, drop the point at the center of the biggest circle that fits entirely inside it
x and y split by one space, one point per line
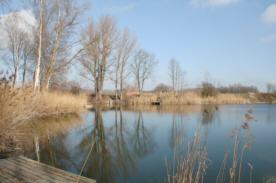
177 75
109 53
58 20
44 48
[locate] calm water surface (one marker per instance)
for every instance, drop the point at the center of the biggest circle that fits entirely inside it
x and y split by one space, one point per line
130 145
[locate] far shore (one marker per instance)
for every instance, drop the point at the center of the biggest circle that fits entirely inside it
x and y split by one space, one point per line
187 98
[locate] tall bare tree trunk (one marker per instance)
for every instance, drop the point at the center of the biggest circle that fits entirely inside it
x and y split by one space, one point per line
16 67
15 76
47 81
24 72
121 89
38 59
116 87
52 58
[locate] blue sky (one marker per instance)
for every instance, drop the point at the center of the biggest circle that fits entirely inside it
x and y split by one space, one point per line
234 41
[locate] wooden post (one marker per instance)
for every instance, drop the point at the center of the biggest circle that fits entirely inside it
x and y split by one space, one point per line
36 142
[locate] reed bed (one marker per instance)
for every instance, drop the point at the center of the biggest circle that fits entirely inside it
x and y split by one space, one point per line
188 98
20 106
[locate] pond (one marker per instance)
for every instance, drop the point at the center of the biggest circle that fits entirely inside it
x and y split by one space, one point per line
133 144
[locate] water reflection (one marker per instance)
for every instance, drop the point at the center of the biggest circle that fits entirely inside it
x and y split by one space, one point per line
130 143
142 137
209 114
101 165
270 114
116 146
54 152
124 155
29 134
51 134
177 132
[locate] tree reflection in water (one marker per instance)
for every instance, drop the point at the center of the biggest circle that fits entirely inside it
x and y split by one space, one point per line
125 147
112 155
177 132
100 165
124 157
142 138
209 114
116 147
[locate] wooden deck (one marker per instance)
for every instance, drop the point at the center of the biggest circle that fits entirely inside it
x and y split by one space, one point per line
24 170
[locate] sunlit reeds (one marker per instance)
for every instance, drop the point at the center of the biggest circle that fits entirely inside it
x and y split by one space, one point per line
188 98
20 106
190 165
190 162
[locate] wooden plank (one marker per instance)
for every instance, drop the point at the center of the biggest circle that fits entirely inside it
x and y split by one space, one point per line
28 172
39 171
53 170
21 169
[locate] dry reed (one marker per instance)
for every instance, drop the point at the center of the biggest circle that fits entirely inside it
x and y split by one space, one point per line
191 167
20 106
188 98
241 143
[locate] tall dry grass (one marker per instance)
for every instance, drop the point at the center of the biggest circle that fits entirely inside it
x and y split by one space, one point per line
243 140
187 98
190 163
20 106
189 166
58 103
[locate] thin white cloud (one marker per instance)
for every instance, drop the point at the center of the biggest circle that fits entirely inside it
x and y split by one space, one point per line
269 16
122 9
212 2
221 2
269 38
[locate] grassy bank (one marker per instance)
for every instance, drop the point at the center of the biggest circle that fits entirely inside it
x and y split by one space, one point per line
19 107
189 98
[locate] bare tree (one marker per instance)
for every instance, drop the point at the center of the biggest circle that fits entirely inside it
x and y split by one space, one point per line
173 74
17 37
28 53
177 75
58 20
142 67
98 41
38 58
15 44
124 51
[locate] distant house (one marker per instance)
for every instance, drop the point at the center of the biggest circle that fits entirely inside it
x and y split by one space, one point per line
132 93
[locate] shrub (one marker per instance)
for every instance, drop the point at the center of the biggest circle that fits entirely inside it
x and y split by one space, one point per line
162 88
208 90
